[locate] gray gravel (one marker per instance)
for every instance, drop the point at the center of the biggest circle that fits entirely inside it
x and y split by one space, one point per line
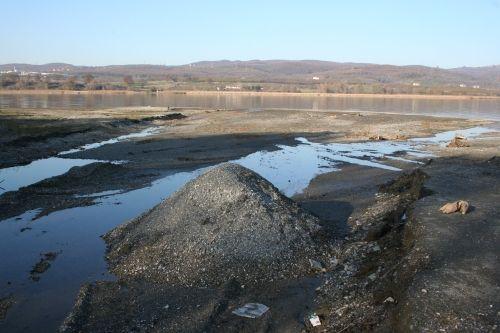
229 223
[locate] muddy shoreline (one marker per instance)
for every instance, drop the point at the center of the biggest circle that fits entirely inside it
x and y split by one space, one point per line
236 93
363 221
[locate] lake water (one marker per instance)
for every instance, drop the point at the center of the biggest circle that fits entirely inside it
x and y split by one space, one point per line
465 108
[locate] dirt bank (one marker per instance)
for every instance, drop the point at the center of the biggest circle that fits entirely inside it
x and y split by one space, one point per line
406 266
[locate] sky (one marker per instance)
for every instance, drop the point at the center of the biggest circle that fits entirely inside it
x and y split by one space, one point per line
91 32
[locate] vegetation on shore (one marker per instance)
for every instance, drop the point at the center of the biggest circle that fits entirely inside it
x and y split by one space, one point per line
257 76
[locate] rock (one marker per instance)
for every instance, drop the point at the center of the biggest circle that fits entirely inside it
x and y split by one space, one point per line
457 142
316 265
389 300
449 208
251 310
452 207
228 223
334 261
463 206
377 138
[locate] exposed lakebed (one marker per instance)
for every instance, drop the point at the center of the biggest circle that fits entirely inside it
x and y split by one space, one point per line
75 232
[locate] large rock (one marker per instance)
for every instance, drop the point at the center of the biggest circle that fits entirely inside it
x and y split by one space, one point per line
229 223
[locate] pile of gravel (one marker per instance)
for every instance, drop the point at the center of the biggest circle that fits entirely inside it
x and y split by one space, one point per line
229 223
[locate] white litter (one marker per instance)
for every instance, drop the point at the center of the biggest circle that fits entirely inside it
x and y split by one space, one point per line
251 310
314 320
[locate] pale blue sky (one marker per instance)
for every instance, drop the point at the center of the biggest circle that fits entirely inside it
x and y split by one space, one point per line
435 33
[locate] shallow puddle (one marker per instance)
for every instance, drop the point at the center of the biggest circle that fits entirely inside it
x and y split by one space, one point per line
19 176
444 137
291 168
142 134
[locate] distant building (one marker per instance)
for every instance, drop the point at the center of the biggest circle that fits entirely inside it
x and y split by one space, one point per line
476 87
416 84
315 78
232 88
463 85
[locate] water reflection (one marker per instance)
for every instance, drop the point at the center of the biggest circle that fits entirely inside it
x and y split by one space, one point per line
464 108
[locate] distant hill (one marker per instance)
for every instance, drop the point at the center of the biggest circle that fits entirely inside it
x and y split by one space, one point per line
296 71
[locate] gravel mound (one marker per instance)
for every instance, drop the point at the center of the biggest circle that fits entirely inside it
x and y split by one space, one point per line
229 223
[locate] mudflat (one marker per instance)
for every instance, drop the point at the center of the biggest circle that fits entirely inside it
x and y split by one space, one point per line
385 259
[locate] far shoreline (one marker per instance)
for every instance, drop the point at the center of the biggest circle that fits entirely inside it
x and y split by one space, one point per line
241 93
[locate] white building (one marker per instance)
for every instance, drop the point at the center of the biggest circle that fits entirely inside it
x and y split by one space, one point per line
232 88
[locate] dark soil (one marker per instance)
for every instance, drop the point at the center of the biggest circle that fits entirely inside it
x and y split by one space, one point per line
25 140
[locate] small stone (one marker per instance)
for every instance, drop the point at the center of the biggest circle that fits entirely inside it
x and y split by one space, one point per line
424 291
373 276
389 300
334 261
316 265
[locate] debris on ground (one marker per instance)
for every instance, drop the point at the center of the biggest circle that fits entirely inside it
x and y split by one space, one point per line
389 300
314 320
377 138
461 206
458 142
251 310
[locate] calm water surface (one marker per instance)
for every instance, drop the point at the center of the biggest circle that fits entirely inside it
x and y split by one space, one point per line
469 108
